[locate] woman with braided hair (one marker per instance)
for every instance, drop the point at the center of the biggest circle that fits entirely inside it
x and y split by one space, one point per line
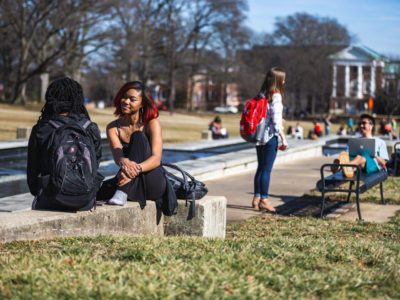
136 144
64 105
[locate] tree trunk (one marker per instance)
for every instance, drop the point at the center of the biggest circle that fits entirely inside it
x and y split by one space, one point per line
189 101
21 98
313 105
128 73
172 75
44 83
172 87
16 92
222 94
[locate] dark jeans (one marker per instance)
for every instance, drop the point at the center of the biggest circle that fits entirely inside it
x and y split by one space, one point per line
266 155
148 185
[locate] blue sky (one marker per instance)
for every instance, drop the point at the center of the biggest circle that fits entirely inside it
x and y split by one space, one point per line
376 23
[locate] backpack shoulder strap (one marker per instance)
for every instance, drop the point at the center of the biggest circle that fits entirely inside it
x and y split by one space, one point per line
84 123
264 103
55 124
266 107
175 167
87 123
186 176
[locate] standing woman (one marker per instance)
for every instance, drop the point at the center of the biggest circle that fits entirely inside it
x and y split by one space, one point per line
136 145
267 147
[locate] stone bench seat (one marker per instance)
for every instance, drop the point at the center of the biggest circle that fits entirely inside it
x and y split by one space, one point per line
210 221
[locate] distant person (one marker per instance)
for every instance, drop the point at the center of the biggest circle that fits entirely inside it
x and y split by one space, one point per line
316 131
290 130
136 145
327 124
368 163
350 125
64 151
272 89
382 125
388 129
218 132
298 132
342 130
395 130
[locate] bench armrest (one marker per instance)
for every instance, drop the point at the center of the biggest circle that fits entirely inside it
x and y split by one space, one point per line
357 173
334 180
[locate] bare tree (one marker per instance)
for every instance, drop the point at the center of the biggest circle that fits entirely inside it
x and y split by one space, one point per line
312 39
229 40
44 33
303 29
189 27
136 39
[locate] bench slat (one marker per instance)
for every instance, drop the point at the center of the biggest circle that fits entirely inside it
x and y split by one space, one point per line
366 180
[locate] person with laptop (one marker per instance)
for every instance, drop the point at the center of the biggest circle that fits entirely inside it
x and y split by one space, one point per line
368 152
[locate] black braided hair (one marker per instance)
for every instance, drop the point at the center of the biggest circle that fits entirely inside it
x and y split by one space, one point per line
64 95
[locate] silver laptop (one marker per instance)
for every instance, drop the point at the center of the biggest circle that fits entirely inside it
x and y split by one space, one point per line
358 145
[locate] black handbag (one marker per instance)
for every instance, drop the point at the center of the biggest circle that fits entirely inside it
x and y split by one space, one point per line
186 187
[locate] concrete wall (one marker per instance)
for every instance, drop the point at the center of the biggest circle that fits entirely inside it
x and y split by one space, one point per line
116 220
210 221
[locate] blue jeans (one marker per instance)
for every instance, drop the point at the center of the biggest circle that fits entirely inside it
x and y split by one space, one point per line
266 155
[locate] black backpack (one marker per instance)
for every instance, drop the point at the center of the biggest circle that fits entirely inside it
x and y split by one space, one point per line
186 187
73 166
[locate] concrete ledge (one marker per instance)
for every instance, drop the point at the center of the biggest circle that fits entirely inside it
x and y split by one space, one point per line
210 221
115 220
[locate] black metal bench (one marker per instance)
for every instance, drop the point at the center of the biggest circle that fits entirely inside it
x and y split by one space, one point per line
396 150
358 184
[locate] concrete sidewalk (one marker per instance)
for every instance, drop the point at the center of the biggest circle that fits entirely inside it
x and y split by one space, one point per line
289 182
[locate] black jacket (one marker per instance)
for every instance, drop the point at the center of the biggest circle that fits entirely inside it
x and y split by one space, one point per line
39 154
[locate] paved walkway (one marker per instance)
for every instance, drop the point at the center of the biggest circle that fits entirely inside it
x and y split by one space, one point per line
289 182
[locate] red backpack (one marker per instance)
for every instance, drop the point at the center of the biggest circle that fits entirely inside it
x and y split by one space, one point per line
254 111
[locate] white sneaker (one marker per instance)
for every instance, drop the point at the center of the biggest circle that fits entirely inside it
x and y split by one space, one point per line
119 198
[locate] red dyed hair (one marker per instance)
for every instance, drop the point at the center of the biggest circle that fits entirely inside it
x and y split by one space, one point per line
150 110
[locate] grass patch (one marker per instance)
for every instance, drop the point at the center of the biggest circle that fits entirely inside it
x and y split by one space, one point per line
390 192
263 257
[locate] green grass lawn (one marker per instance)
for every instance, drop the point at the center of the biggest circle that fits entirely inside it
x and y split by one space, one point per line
268 257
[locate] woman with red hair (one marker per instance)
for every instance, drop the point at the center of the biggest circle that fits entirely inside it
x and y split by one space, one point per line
136 145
